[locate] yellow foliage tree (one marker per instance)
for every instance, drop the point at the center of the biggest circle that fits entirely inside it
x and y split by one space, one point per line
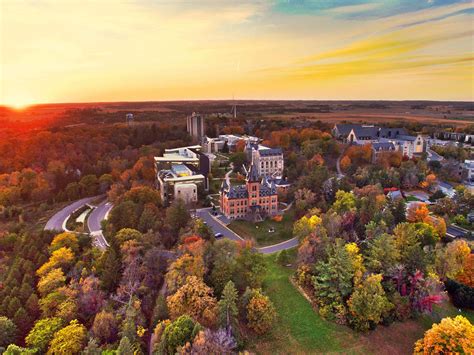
60 258
195 299
305 225
451 336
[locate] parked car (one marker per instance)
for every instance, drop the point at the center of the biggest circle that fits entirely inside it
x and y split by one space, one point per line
218 235
271 230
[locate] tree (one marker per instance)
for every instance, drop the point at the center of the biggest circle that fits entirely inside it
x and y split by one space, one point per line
345 163
92 348
43 332
368 303
381 254
8 331
195 299
51 281
126 234
450 260
66 239
178 333
181 268
260 313
451 336
304 226
177 216
417 212
69 340
333 281
125 347
228 307
345 201
60 258
212 342
466 276
251 268
105 327
18 350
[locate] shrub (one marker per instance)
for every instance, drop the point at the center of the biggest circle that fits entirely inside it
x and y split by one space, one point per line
462 296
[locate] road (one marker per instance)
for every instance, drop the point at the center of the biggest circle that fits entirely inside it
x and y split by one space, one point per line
433 156
93 223
218 226
455 232
58 221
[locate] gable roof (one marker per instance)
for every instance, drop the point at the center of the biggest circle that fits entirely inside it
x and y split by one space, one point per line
366 131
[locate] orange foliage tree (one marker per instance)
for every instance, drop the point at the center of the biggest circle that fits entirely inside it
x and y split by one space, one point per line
467 275
451 336
345 162
417 212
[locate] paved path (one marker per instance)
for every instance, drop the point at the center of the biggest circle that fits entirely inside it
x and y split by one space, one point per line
218 226
340 174
93 223
58 221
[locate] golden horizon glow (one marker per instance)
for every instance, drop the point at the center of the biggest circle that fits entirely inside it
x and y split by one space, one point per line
102 51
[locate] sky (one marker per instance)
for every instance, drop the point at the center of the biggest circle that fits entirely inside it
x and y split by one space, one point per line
115 50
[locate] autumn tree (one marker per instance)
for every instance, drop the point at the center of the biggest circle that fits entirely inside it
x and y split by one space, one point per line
466 276
345 201
105 327
8 331
305 225
368 303
261 313
69 340
181 268
450 260
211 342
451 336
43 332
417 212
178 333
195 299
66 240
345 163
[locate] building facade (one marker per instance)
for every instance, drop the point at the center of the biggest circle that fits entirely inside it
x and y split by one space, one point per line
195 126
380 137
181 173
255 200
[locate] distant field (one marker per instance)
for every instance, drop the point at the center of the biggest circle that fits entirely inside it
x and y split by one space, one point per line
374 118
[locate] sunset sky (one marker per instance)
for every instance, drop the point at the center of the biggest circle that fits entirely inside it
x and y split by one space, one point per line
104 50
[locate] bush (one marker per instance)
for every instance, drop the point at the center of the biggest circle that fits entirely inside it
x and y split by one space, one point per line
283 258
462 296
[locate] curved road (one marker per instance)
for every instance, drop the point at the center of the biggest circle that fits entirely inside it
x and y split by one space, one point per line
58 221
218 226
93 223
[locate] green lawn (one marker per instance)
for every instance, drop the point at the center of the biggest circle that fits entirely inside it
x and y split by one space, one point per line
259 231
298 328
412 199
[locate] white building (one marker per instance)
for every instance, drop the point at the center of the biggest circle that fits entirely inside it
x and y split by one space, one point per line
180 172
268 161
195 126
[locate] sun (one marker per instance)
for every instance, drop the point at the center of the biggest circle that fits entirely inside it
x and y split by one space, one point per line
19 103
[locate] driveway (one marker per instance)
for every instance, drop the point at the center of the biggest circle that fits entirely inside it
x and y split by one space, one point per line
58 221
218 226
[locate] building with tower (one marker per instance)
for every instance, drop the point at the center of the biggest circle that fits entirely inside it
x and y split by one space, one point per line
195 126
255 200
268 161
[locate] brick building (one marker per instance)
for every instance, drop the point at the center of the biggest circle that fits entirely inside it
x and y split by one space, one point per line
255 200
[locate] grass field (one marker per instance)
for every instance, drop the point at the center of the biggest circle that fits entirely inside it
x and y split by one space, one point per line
300 330
259 231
